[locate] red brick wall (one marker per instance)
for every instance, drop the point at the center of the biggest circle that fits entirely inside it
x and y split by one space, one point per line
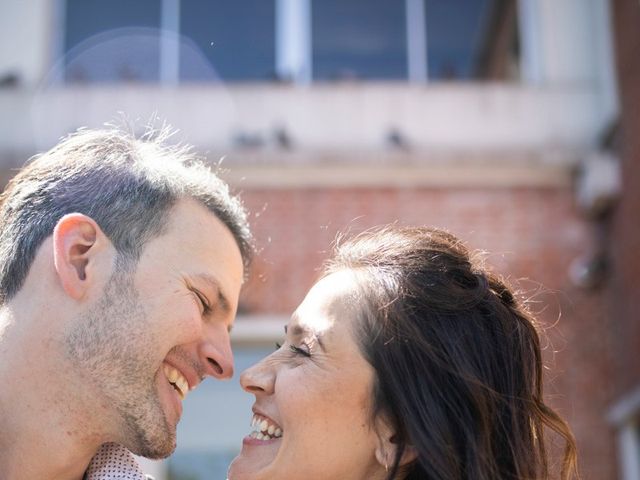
533 234
624 287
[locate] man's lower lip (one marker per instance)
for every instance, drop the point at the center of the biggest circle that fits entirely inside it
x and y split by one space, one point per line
248 440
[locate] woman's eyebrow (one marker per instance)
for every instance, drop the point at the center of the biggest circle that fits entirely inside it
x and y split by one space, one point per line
300 331
297 330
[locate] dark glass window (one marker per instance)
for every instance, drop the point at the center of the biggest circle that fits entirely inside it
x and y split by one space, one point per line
119 40
115 40
363 39
472 39
237 38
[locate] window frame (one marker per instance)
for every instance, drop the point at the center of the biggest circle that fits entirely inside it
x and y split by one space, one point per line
293 41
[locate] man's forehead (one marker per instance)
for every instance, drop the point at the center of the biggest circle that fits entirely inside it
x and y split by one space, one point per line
196 209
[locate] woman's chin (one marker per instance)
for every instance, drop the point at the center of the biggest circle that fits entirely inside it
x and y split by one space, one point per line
253 460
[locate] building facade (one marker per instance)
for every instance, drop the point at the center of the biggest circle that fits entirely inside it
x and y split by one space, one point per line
501 121
624 231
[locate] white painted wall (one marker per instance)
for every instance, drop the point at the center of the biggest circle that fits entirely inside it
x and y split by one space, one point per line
568 43
443 117
26 38
559 39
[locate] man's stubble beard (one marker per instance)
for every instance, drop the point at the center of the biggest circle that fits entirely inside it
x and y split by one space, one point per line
112 346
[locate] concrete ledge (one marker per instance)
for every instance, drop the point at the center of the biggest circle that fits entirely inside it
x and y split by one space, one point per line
258 329
402 176
461 116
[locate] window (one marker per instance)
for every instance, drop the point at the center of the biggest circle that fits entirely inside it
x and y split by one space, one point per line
472 39
293 40
358 39
111 41
415 39
237 38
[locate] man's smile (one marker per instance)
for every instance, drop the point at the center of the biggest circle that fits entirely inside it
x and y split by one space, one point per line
177 380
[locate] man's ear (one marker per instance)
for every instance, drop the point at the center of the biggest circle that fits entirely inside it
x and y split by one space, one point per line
387 447
77 241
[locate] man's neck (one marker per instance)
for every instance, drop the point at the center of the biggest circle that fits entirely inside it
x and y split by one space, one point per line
47 433
29 455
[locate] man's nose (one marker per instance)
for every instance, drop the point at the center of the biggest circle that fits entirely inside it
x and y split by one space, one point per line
215 352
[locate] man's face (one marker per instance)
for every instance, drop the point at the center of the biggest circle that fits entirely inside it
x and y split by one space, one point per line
160 327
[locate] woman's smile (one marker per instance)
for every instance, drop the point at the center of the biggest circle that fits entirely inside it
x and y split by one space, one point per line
264 429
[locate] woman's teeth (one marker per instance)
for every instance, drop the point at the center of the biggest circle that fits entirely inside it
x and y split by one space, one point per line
263 429
177 380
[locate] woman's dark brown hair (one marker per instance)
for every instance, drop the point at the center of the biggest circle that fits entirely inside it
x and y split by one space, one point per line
457 360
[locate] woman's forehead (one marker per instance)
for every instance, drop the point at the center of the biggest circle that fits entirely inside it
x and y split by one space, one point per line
329 300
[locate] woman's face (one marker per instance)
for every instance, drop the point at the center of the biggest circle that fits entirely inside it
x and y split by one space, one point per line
313 396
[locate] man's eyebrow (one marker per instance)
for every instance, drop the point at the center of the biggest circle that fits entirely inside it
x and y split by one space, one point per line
211 281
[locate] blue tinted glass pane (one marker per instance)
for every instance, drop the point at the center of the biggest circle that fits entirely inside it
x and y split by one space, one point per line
236 38
359 39
471 39
112 40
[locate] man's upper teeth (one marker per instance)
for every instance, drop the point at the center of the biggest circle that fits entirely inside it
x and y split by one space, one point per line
176 378
263 429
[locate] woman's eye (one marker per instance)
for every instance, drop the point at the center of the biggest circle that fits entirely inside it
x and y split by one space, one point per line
304 350
300 351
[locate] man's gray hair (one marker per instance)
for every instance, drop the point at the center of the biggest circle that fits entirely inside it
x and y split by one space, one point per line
126 184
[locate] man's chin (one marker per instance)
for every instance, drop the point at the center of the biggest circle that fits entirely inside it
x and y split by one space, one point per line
156 450
158 455
151 439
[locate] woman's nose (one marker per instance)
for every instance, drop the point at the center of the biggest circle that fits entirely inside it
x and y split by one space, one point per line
259 378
